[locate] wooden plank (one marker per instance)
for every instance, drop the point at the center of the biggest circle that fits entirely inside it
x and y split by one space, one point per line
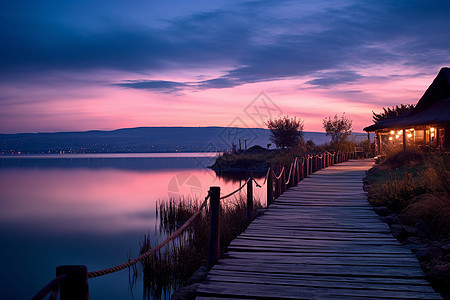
323 250
324 260
266 291
313 282
326 278
312 269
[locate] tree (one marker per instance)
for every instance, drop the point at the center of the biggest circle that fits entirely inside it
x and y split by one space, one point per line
391 112
285 132
338 128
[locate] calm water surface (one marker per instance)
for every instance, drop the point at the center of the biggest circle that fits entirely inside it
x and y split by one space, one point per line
90 210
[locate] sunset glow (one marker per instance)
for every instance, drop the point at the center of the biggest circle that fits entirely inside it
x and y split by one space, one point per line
81 65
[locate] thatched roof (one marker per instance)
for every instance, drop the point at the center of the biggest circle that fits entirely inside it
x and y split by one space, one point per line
432 108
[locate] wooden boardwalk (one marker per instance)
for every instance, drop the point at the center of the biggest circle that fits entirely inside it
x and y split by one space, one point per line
319 240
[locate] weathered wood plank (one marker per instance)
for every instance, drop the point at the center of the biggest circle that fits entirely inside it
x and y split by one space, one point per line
313 269
326 278
324 260
312 281
268 291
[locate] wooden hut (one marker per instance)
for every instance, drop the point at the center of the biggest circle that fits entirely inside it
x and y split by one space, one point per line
426 126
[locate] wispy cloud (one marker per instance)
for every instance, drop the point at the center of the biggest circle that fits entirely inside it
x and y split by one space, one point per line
154 85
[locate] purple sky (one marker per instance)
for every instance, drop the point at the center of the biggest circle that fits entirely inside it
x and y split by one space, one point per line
81 65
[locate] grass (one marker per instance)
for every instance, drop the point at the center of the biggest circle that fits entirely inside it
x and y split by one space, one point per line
172 267
416 185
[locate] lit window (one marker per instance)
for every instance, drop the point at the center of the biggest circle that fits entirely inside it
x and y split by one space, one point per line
390 138
399 132
409 135
392 131
432 129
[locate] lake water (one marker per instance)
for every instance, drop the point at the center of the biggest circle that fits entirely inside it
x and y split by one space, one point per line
90 210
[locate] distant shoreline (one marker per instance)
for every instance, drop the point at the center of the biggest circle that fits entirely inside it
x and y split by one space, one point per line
112 155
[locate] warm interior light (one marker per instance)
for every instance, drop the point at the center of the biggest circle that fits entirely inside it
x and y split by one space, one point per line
432 134
390 138
412 129
397 136
399 132
409 135
432 129
392 131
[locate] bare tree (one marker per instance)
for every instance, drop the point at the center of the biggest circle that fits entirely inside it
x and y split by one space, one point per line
285 132
338 128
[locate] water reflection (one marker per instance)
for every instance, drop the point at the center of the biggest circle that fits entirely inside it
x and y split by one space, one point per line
88 211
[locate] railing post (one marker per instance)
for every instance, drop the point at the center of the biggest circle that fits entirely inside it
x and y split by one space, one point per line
303 168
283 181
250 201
277 187
309 165
296 172
269 187
75 285
291 175
214 223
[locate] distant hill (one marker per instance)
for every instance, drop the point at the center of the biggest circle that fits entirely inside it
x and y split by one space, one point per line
145 139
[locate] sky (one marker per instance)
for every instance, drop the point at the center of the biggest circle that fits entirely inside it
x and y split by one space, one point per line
78 65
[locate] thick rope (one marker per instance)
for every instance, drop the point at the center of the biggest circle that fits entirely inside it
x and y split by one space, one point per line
50 287
151 251
279 176
232 193
267 175
256 182
290 171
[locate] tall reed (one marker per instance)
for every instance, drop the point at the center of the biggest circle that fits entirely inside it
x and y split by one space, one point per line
171 268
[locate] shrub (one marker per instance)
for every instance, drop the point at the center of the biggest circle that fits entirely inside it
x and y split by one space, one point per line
431 209
406 175
403 158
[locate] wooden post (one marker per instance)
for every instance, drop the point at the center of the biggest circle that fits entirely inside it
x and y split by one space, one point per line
269 187
75 285
378 150
306 165
303 168
249 202
310 165
277 187
292 183
404 139
214 223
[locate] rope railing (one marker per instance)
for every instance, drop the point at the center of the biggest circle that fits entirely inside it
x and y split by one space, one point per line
51 287
279 176
241 187
154 249
297 172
